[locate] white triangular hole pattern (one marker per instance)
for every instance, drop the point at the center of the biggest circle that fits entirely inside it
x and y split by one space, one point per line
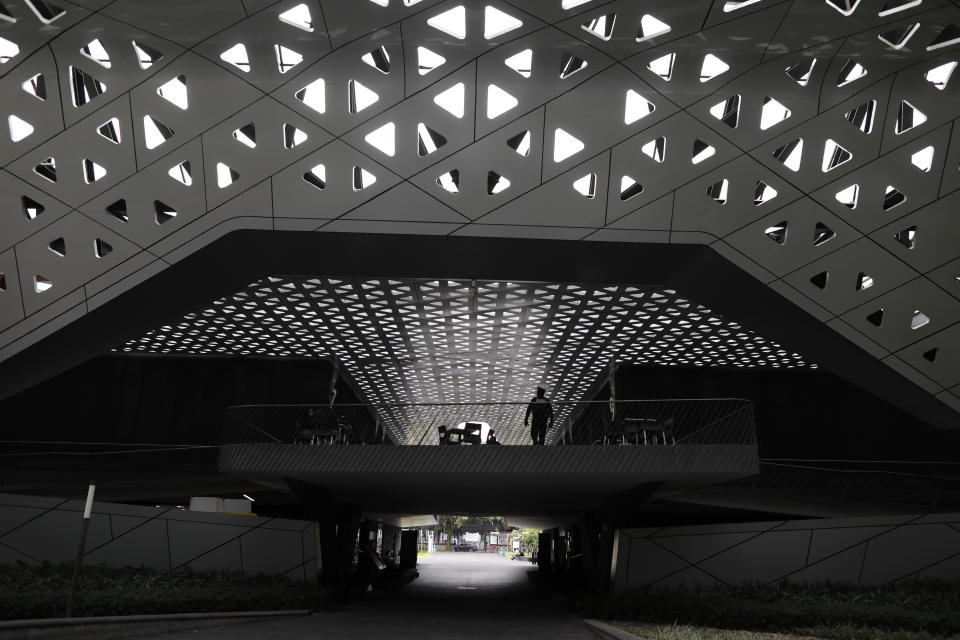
395 337
800 73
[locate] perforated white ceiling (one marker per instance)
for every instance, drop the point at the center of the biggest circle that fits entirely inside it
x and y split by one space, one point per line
466 341
810 142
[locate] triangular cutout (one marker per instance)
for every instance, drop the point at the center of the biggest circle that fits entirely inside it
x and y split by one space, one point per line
801 71
908 117
876 318
862 116
19 128
8 50
162 212
845 7
762 193
863 281
898 37
246 135
226 176
663 66
919 319
292 137
718 191
498 101
850 71
712 67
452 22
931 355
428 140
237 56
521 62
907 237
949 36
892 197
174 91
601 26
95 51
496 23
299 17
772 113
701 151
923 159
570 64
359 97
834 155
777 232
820 280
496 183
565 145
427 60
849 196
384 139
58 246
31 208
37 86
110 130
92 171
118 210
47 169
629 188
656 149
41 284
101 248
155 132
586 186
181 173
379 59
146 56
822 234
452 100
362 178
450 181
286 58
84 87
636 108
317 177
939 76
727 111
520 143
651 27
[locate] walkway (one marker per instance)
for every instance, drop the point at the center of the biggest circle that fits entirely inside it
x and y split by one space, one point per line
457 596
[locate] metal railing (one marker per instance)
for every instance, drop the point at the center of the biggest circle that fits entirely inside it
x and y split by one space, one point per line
824 485
633 422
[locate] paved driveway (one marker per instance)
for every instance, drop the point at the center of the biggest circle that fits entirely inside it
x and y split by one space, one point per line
457 596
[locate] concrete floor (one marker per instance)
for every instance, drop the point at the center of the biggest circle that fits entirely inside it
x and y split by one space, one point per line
457 596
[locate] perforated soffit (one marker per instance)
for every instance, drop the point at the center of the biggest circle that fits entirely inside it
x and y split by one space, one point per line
809 142
466 341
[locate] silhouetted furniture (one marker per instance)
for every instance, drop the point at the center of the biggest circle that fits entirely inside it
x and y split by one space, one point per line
472 432
638 431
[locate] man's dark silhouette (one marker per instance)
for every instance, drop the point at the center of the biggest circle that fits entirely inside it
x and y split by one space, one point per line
542 412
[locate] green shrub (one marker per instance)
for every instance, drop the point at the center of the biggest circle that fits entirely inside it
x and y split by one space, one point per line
910 611
41 592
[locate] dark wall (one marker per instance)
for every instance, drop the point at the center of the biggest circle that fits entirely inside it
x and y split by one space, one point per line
801 414
158 399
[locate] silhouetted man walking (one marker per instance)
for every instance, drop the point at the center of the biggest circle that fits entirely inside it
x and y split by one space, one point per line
542 412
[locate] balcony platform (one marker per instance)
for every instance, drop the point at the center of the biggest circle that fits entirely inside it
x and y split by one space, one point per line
489 479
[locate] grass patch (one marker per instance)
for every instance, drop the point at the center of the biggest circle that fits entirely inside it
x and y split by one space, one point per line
41 592
902 611
688 632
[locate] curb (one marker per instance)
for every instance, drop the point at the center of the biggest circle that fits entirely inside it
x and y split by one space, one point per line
110 627
610 632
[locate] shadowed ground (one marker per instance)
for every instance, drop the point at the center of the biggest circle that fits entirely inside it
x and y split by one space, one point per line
458 595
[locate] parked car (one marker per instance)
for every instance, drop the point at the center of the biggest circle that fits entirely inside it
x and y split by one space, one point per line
465 546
